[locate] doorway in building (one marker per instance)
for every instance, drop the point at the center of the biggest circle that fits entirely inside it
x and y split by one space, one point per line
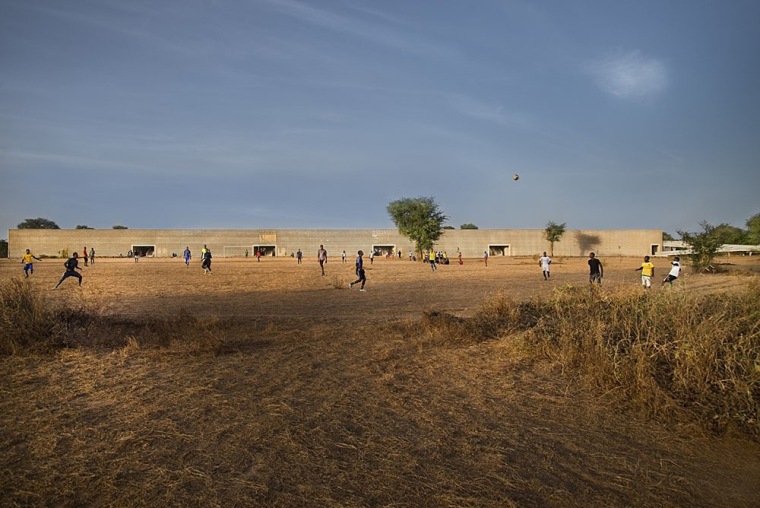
144 250
499 250
266 250
383 250
655 248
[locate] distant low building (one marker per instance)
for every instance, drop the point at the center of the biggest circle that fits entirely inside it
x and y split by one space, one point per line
284 242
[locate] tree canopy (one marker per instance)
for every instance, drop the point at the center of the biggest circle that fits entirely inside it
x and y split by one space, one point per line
553 233
704 246
38 223
753 229
120 227
419 219
83 226
469 225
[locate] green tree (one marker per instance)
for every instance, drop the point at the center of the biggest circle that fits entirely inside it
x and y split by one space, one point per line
120 227
667 237
38 223
83 226
553 233
469 225
449 227
753 229
728 234
3 248
704 247
418 219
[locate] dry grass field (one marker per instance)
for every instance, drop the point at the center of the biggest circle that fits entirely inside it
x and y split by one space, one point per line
266 384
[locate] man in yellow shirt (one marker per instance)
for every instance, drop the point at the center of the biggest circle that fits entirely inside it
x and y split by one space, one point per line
647 272
27 260
431 257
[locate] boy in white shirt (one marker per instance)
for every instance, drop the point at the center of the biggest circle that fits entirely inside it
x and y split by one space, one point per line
544 262
674 272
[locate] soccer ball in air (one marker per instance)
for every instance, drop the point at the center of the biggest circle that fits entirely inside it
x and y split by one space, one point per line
515 177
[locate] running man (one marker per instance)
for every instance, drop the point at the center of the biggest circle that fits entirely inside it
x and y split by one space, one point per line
188 255
206 262
647 272
72 265
322 258
258 255
544 262
674 272
359 272
485 257
299 256
596 270
84 255
28 262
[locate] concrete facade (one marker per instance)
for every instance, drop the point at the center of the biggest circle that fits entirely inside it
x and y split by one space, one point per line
283 242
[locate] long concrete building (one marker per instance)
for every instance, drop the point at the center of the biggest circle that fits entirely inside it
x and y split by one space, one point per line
284 242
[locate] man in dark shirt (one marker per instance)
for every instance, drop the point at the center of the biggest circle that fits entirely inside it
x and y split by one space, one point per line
299 256
72 265
596 269
206 262
359 272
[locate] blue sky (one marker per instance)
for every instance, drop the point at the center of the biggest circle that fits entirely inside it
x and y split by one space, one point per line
294 113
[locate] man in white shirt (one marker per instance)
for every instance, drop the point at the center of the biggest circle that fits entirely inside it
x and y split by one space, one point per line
544 262
675 271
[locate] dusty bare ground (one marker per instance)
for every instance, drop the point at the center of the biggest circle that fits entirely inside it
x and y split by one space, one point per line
329 397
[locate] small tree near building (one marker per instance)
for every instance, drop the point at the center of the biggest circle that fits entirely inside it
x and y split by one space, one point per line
704 247
418 219
553 233
38 223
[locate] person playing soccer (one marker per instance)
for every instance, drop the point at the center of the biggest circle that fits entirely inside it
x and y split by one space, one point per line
72 265
322 258
258 255
28 262
187 255
84 255
359 272
206 262
92 256
544 262
675 271
372 257
299 256
485 257
431 258
596 270
647 272
344 256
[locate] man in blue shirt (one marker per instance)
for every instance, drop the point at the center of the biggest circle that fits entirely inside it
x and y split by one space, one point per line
359 272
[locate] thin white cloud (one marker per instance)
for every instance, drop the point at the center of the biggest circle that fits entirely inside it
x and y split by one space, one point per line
629 74
475 108
376 34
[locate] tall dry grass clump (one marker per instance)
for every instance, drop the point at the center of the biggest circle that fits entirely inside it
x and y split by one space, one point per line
677 356
30 323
